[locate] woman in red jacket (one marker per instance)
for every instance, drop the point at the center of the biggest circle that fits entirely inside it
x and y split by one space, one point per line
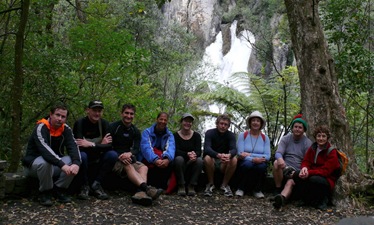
318 170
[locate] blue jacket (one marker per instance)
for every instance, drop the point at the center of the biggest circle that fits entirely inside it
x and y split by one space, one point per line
258 147
148 141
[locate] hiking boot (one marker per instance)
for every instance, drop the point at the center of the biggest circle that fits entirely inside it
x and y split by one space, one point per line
45 198
322 205
60 194
258 194
141 198
209 190
227 191
191 190
277 191
83 194
239 193
182 190
153 192
98 191
301 203
278 201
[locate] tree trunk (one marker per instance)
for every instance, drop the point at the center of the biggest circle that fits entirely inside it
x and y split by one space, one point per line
17 89
79 8
321 103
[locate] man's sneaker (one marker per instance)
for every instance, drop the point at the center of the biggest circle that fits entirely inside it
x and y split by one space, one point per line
45 198
153 192
98 191
141 198
182 190
209 190
83 194
227 191
191 190
239 193
258 194
278 201
60 194
288 172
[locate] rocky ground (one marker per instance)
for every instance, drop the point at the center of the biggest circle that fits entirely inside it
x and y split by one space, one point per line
170 209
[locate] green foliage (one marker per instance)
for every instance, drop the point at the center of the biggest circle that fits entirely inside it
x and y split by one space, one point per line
120 54
349 33
275 97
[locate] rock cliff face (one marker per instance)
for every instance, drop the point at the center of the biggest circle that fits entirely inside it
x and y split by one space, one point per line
201 17
204 19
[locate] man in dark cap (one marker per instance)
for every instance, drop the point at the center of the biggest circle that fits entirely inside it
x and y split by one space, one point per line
94 141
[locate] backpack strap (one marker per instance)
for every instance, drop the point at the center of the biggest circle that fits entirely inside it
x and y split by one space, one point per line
328 152
100 129
246 134
330 149
263 136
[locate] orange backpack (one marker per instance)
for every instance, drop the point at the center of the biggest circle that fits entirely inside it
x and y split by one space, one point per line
343 160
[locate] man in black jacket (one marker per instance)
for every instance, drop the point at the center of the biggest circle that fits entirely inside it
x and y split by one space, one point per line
126 147
220 154
45 156
94 141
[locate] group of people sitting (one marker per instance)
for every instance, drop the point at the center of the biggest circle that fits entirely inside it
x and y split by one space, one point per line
156 160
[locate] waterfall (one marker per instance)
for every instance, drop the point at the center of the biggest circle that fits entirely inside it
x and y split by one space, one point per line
220 67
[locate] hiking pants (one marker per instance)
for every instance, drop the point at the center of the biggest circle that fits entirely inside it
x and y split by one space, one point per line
45 172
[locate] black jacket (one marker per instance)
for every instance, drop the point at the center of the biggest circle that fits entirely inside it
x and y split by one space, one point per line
51 148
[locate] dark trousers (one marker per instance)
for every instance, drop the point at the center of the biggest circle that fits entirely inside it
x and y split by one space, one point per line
159 177
93 169
314 190
252 175
106 164
187 172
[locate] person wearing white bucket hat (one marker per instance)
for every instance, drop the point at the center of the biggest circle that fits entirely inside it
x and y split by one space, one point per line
253 154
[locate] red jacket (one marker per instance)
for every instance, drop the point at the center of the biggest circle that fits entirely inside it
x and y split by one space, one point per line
325 165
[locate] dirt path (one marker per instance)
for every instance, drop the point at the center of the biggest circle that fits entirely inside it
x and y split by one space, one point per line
170 209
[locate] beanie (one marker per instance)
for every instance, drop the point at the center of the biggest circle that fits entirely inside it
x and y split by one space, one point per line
299 120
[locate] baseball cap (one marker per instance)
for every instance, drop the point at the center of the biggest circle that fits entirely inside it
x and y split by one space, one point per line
185 115
95 103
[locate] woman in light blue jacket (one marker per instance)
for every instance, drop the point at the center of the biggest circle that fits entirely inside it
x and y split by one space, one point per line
253 153
157 151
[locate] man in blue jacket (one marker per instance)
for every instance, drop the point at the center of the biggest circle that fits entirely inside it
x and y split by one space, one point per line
45 156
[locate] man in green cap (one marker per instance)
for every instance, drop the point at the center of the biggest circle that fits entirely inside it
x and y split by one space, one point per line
291 150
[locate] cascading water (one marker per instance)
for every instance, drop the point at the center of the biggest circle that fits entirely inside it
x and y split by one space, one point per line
220 67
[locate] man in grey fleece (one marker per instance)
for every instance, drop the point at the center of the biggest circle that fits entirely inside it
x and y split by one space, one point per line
288 157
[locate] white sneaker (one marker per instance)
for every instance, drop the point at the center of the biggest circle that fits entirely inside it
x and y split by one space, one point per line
258 194
209 190
239 193
227 191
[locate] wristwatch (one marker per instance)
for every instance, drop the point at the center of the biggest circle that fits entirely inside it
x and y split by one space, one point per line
93 144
